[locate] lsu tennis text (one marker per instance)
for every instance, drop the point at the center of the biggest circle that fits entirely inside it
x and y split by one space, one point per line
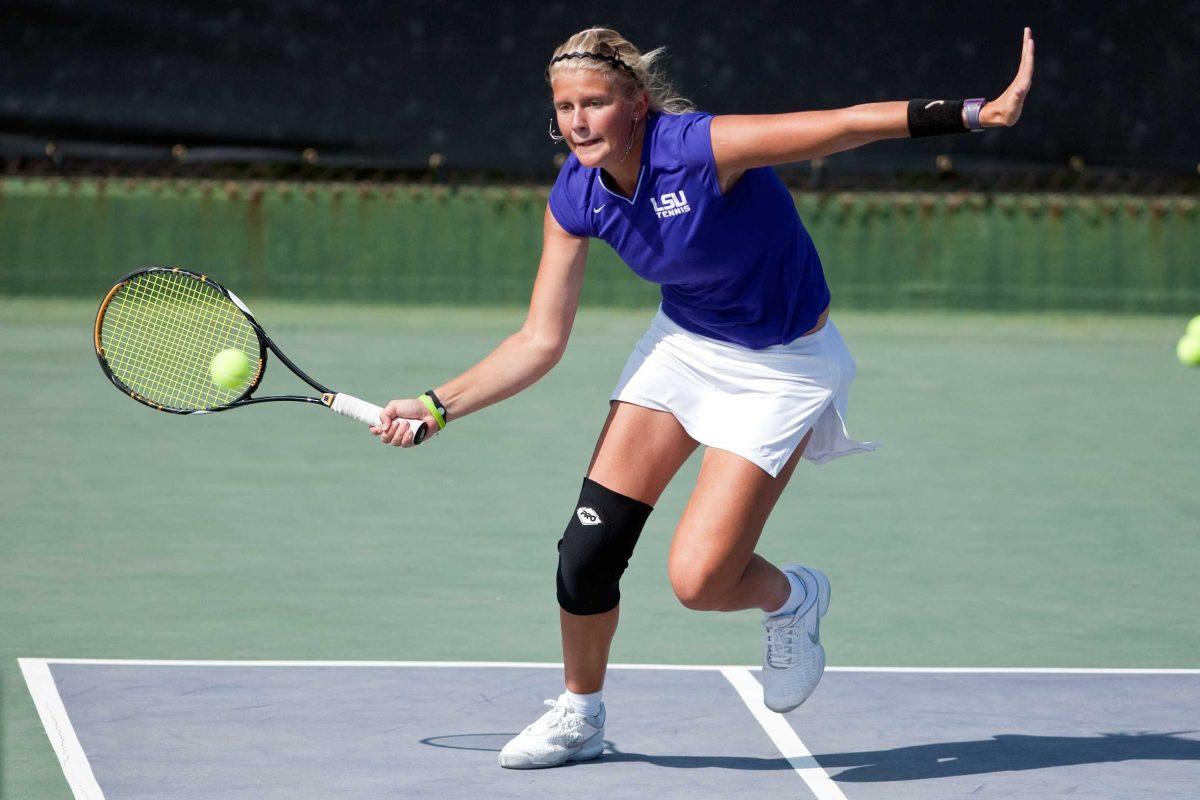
671 204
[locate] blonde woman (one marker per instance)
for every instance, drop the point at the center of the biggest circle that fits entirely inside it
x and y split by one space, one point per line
742 356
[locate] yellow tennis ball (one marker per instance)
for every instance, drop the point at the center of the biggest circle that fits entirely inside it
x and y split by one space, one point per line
1193 328
230 368
1188 351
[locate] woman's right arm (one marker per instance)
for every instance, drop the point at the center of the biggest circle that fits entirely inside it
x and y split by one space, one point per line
521 359
743 142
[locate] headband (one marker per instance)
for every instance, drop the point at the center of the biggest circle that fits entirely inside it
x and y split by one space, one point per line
616 62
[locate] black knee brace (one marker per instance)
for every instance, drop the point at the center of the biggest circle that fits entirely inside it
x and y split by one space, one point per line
595 550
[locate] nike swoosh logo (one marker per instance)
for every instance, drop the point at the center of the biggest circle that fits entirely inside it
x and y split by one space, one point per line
597 210
934 103
815 638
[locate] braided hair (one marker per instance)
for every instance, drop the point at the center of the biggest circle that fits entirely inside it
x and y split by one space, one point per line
605 50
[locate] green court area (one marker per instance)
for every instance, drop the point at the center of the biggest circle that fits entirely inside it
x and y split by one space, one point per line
1034 503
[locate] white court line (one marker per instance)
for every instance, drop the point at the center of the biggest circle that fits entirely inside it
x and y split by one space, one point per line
1021 670
452 664
781 733
558 665
58 727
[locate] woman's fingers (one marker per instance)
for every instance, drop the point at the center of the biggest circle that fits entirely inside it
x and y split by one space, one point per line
393 427
381 426
1005 110
1025 72
395 434
403 435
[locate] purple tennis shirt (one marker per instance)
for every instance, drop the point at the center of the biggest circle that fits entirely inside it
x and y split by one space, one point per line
738 267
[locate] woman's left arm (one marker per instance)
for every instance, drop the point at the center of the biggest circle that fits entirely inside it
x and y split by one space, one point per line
742 142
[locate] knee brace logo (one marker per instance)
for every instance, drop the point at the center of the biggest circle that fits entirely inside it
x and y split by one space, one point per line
588 516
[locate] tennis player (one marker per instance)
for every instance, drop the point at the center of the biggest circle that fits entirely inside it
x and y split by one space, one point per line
742 356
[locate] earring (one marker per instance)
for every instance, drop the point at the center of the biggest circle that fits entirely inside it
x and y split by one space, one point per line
632 134
555 134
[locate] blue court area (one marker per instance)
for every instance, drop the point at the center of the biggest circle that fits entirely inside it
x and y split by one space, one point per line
189 730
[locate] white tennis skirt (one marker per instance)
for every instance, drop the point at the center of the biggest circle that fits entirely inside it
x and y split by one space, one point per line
758 404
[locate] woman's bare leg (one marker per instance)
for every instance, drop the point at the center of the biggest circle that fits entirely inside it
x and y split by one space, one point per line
712 564
638 452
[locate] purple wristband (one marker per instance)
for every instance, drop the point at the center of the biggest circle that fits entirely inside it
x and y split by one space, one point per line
972 108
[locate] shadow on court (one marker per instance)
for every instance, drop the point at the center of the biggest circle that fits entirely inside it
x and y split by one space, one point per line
1001 753
1006 753
494 742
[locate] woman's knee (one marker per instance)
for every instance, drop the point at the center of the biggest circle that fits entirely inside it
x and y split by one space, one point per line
700 586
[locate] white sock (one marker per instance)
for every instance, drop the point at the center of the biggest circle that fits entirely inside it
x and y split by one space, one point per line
586 704
795 599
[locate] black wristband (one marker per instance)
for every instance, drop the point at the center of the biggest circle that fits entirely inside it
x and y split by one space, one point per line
440 407
935 117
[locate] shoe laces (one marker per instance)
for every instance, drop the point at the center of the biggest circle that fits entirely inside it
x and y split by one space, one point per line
781 644
561 717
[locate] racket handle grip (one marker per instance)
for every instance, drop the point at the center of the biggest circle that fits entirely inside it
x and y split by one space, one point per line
368 413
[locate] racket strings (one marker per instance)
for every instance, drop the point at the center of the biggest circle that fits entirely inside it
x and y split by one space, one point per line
189 333
183 323
160 333
147 346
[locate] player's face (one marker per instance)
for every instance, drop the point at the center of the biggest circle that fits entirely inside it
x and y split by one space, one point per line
596 119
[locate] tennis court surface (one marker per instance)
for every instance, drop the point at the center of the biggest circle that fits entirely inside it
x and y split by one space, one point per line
1033 505
195 729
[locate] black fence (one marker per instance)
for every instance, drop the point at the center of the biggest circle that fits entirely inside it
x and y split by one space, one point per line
457 88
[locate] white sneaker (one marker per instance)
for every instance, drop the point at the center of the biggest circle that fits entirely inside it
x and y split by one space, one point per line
793 656
560 735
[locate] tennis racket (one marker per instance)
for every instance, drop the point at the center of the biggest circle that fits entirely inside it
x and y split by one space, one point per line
159 328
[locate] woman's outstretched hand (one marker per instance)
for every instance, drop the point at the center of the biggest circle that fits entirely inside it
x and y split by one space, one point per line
1005 110
393 430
